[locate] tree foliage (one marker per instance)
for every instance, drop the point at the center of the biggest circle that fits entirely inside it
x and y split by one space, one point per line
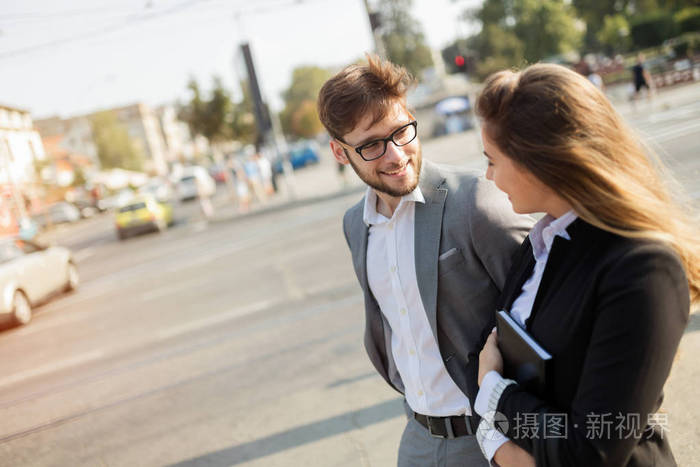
614 36
115 148
209 117
243 126
403 38
299 117
514 31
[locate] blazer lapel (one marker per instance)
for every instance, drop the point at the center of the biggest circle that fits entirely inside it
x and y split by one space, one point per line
427 232
523 264
561 262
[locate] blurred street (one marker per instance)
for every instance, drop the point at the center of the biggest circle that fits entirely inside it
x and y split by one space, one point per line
238 340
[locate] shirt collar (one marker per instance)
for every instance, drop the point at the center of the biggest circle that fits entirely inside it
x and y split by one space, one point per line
371 216
543 232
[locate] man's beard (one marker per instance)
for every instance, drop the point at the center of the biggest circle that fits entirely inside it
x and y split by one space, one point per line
382 187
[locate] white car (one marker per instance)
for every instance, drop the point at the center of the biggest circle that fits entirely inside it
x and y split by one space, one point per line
193 182
29 275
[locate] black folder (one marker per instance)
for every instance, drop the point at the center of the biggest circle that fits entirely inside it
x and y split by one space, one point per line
524 360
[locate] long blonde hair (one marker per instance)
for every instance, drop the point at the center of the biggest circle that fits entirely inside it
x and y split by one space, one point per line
560 127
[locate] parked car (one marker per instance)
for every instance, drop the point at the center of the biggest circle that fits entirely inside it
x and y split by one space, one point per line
115 200
86 208
192 178
160 188
144 213
30 274
301 154
58 213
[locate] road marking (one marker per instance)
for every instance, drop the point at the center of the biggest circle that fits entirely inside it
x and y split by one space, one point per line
216 319
676 132
52 367
174 286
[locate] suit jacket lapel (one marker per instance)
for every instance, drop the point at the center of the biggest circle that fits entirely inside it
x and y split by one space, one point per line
427 232
523 264
562 261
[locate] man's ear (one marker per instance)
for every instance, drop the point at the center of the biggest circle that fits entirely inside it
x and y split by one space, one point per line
339 152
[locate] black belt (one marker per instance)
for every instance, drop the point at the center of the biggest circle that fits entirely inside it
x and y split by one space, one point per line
448 427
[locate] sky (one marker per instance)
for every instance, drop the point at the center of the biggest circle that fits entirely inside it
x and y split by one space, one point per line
73 57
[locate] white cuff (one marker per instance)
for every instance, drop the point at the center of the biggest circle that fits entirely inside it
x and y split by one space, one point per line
489 440
492 387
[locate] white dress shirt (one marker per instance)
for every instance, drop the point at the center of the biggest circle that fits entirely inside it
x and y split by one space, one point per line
541 237
391 273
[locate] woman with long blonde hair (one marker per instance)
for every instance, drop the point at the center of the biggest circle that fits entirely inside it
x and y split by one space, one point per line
603 282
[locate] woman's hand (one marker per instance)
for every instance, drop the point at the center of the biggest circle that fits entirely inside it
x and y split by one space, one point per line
490 357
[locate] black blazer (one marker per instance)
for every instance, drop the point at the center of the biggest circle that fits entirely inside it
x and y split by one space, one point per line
611 311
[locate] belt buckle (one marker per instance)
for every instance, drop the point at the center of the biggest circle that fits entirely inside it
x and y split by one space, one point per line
448 429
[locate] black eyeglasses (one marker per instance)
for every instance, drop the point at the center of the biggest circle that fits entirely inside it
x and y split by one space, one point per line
400 137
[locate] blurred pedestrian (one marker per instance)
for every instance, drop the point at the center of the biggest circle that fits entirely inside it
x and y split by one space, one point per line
430 246
342 174
265 170
204 196
603 281
597 80
252 173
641 78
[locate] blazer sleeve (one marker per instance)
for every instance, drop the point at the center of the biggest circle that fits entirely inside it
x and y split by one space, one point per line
641 309
496 230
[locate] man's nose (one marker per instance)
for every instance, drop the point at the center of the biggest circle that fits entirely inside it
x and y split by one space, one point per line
394 153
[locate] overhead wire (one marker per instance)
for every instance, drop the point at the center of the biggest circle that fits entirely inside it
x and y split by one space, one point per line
134 19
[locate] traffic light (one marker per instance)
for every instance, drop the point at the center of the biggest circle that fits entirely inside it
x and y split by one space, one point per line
460 62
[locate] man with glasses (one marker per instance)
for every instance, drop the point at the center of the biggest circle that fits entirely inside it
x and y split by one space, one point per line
431 246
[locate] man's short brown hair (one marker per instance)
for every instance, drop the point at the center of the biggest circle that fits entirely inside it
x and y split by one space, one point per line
361 89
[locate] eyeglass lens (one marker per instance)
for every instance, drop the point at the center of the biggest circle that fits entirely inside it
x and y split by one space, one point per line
400 137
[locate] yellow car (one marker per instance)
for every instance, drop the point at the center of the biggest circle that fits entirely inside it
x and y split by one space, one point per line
143 213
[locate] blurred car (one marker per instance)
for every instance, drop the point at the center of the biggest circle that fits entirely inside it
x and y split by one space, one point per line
29 275
115 200
87 208
218 173
192 180
452 115
143 213
160 188
58 213
300 154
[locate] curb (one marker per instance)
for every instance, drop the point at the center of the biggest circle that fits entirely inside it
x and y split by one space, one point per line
291 204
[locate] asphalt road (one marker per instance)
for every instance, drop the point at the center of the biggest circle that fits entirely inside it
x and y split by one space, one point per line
239 341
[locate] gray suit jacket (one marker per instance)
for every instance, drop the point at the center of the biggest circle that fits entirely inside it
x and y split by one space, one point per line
465 236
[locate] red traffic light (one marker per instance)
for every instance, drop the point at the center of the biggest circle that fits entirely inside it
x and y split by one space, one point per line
459 61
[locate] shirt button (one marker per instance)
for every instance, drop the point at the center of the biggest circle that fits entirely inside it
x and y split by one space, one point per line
412 352
391 227
403 311
393 269
420 393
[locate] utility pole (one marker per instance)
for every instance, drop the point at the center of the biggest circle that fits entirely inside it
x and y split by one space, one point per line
268 123
375 22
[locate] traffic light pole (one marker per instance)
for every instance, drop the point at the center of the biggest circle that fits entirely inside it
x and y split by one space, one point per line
375 23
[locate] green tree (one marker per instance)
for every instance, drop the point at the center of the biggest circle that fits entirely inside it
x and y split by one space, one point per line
210 117
115 148
546 27
514 31
615 34
403 38
299 117
243 126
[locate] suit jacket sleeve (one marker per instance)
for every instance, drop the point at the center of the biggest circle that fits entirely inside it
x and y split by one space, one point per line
496 230
640 313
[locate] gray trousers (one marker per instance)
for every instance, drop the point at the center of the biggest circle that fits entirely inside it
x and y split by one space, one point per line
419 449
